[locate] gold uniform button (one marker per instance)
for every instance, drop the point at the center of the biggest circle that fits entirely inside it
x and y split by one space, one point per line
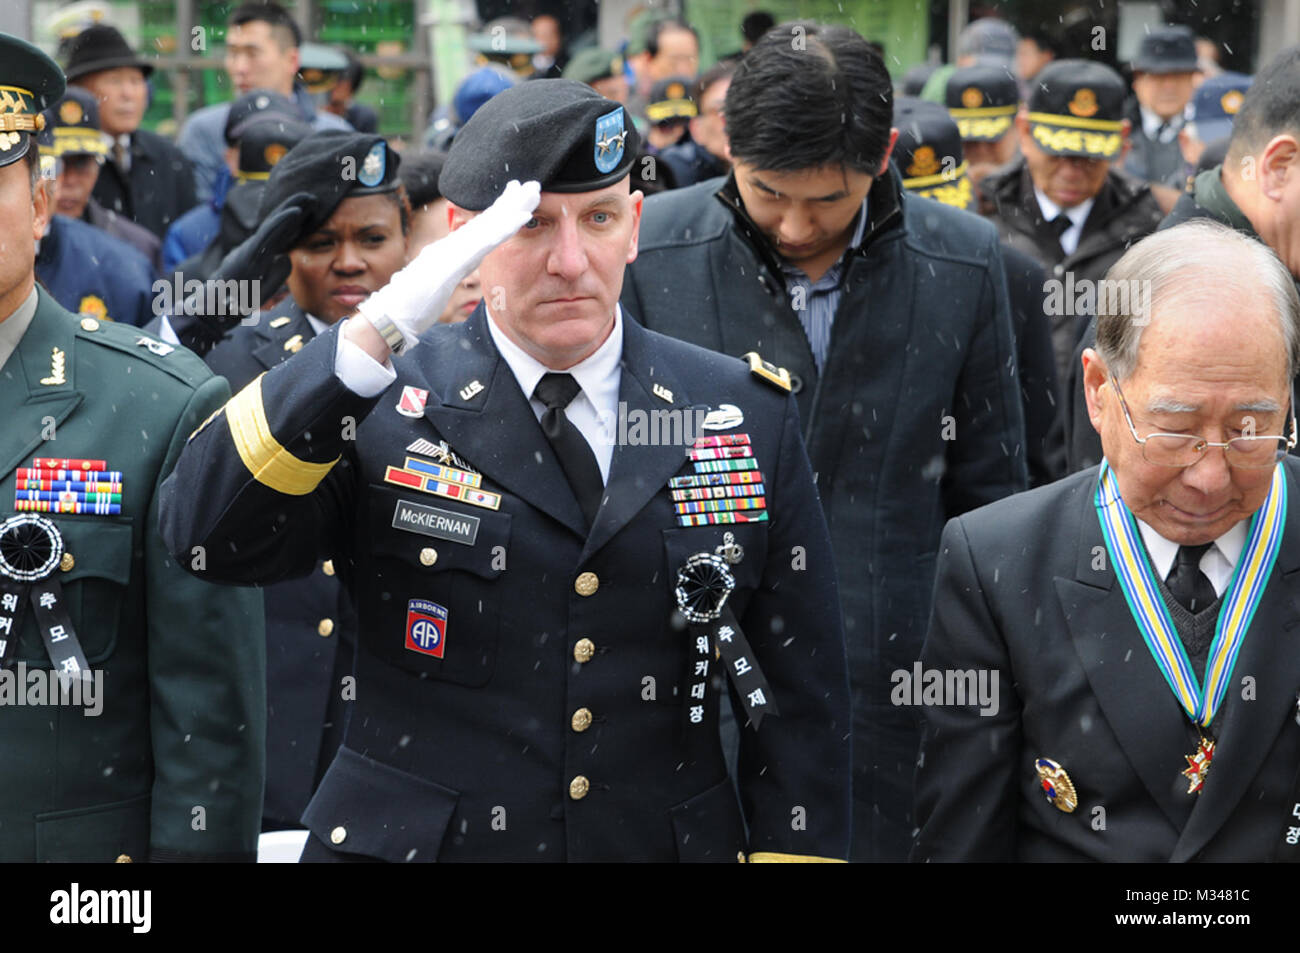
326 627
327 567
581 719
67 562
338 835
428 556
579 787
89 324
584 649
123 859
586 584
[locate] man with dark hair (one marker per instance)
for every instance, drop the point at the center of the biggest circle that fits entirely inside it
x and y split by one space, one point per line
667 47
146 178
704 154
430 221
165 759
262 42
1245 192
890 313
1036 48
342 101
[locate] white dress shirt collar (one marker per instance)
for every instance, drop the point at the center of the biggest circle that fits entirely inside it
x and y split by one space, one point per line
1217 563
1077 216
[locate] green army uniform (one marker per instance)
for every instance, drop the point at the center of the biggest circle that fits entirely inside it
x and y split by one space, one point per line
168 761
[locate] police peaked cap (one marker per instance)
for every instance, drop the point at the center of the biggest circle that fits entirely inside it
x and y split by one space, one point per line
559 132
331 165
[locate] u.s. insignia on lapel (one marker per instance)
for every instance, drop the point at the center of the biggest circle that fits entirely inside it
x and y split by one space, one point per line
1056 784
294 345
727 486
68 485
412 401
470 390
662 392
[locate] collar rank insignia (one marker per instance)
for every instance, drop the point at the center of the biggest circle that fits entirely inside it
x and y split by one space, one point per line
412 402
764 370
161 348
57 376
724 417
294 344
470 390
662 392
68 485
279 322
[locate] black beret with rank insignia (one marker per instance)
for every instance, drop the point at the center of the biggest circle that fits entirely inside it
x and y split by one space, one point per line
332 165
29 82
1077 109
558 132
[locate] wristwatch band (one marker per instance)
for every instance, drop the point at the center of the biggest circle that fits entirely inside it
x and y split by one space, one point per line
389 331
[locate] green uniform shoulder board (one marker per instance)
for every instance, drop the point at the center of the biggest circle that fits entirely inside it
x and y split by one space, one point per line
177 362
776 376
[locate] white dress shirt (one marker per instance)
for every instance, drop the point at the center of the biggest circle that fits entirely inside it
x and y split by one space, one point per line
1151 124
1077 216
594 411
1217 563
15 326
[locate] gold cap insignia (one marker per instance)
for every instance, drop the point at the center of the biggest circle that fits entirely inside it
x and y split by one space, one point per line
676 90
274 153
1056 784
94 306
1231 101
70 112
924 162
971 97
1084 103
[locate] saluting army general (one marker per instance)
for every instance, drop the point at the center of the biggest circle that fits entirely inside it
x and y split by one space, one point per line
148 742
552 603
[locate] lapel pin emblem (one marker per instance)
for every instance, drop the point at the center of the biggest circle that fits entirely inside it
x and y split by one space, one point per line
470 390
57 359
1056 784
160 348
663 393
412 402
294 344
724 417
279 322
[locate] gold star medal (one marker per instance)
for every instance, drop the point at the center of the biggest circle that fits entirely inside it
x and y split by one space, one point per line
1198 765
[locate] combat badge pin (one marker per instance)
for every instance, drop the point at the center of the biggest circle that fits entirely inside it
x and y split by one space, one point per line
412 402
1056 784
724 417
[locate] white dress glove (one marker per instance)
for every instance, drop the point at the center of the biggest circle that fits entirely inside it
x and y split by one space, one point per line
415 297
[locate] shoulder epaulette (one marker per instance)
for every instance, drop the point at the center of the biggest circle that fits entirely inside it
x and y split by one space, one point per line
178 362
776 376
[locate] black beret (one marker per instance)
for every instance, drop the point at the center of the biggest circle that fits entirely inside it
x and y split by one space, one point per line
929 152
558 132
420 171
1077 109
264 141
983 100
332 165
32 83
257 102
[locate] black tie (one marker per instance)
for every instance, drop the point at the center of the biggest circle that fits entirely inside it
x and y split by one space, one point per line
570 446
1060 225
1191 587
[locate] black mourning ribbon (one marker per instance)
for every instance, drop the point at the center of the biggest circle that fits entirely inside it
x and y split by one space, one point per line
576 458
30 551
703 584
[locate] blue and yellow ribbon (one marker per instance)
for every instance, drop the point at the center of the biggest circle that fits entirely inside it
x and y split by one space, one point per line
1138 583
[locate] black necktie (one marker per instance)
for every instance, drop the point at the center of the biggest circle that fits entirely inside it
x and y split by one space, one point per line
1060 225
570 446
1191 587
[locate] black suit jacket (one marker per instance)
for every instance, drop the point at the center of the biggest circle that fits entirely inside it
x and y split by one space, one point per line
158 189
310 622
1026 589
473 755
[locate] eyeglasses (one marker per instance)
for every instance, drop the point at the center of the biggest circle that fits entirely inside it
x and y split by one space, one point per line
1254 452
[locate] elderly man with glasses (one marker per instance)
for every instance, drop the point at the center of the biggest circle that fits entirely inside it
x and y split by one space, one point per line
1112 664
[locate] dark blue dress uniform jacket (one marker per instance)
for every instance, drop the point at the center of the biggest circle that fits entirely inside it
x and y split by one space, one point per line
475 756
90 272
310 623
